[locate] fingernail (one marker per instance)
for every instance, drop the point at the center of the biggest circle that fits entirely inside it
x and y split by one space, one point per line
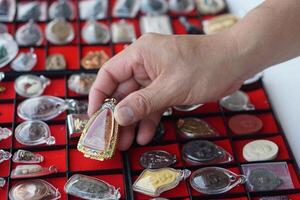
124 115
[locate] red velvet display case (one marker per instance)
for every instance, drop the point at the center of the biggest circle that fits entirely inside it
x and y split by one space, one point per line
124 168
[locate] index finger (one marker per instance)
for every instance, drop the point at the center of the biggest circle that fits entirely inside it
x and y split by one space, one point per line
115 71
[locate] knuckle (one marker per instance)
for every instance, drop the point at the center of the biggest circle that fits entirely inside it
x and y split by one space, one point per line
144 104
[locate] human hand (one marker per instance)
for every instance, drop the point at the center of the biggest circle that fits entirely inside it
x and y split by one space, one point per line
158 71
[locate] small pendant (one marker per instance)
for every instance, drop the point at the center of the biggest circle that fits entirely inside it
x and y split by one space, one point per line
33 190
195 128
56 62
5 133
215 180
95 9
94 32
81 83
24 61
154 7
4 155
264 180
31 85
8 49
244 124
238 101
157 159
153 182
29 34
76 124
31 133
32 10
156 24
2 182
62 9
272 176
7 10
44 107
126 8
187 108
99 138
219 23
94 59
27 157
260 150
210 7
122 31
90 188
182 6
59 32
201 152
32 171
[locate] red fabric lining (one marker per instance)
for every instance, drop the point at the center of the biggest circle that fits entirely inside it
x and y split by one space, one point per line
9 92
119 47
56 88
259 99
87 164
4 169
170 131
6 112
4 191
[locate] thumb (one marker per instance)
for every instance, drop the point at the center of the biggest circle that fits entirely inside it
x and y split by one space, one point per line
142 103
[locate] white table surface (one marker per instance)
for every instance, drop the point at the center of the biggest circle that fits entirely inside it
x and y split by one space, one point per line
282 83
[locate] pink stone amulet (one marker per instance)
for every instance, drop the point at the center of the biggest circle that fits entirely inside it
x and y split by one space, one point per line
99 137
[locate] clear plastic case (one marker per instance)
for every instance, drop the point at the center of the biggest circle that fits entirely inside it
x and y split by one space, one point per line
81 83
126 8
215 180
91 188
31 85
31 133
34 189
267 176
31 171
202 152
238 101
153 182
27 157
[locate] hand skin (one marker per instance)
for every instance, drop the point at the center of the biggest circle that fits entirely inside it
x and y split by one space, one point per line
158 71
